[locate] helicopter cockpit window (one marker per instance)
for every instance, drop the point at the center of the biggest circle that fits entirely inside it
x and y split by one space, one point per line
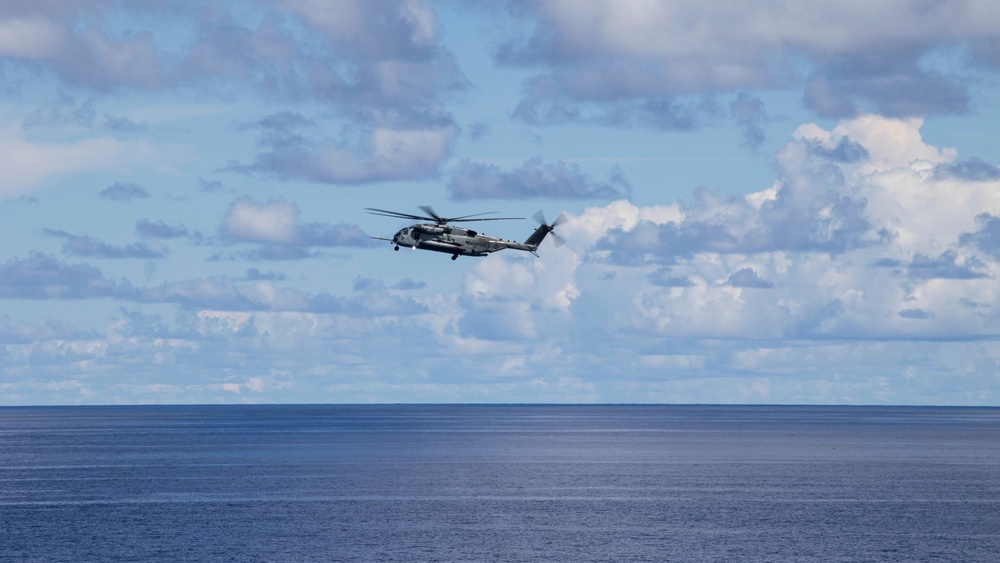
472 233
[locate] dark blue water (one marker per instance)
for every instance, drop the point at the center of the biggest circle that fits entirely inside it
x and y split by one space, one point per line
499 483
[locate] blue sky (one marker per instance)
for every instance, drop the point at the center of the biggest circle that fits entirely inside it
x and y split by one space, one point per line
766 203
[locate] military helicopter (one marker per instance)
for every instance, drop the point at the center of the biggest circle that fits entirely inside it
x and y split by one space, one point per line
439 236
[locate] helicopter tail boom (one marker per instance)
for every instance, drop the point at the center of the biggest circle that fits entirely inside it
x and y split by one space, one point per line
538 236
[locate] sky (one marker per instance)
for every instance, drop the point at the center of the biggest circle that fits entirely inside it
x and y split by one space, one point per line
766 202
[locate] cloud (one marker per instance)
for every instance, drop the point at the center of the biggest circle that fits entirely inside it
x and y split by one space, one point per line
212 293
366 284
518 297
222 46
858 236
407 284
597 53
159 229
788 219
277 231
66 110
28 36
918 314
211 186
394 30
853 187
273 222
949 265
82 245
225 294
253 274
533 179
892 88
747 277
124 192
394 51
664 277
341 234
750 115
41 276
546 104
381 69
26 166
23 332
972 170
986 238
391 151
255 384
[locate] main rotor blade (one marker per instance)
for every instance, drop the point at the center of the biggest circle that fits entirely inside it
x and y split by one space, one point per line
466 218
386 213
427 209
462 220
437 218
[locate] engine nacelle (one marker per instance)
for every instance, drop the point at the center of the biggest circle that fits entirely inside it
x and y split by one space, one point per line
431 230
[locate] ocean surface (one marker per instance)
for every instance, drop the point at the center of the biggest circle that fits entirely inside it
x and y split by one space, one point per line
499 483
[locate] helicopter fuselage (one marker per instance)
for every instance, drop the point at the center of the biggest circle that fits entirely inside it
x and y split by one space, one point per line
457 241
440 236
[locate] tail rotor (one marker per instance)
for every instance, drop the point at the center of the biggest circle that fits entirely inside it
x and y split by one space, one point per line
549 229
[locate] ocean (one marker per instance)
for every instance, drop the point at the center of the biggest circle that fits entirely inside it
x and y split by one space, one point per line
499 483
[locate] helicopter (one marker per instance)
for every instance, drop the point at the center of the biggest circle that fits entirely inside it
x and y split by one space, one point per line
440 236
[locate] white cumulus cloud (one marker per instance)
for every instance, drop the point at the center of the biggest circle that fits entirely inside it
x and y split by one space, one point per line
275 221
27 165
